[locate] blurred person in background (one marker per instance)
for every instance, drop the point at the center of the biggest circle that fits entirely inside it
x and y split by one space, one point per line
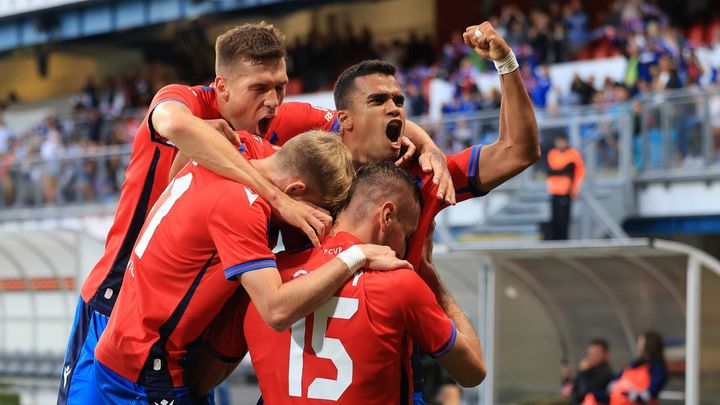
715 122
51 150
666 75
594 372
566 171
7 173
641 381
5 134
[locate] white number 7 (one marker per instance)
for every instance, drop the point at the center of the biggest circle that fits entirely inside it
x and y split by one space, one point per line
325 348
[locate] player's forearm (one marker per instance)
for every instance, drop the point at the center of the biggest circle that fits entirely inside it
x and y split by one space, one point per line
463 325
420 138
300 297
464 362
517 147
199 141
518 127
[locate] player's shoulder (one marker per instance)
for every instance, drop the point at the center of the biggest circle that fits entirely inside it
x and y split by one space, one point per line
386 293
226 194
254 146
306 110
198 92
391 282
289 262
175 88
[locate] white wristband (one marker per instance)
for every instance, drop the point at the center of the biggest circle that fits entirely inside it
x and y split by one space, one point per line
507 64
354 258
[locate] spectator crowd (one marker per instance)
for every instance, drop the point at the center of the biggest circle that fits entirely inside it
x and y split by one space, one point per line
65 159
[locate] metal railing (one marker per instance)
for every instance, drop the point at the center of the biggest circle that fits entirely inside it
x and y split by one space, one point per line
75 178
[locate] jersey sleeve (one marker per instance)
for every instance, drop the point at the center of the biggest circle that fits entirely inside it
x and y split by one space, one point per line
238 225
426 322
173 93
463 169
295 118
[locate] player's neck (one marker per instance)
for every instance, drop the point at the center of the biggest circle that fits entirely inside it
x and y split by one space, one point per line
361 230
356 148
268 169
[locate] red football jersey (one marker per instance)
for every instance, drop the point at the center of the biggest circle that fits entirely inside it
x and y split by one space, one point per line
145 179
174 286
352 350
463 169
294 118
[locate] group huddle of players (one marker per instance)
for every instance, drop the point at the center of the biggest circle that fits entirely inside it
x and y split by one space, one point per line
188 282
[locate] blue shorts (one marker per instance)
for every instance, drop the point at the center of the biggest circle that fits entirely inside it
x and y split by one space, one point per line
117 390
77 383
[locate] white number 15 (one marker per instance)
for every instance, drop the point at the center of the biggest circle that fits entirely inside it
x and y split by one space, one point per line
324 348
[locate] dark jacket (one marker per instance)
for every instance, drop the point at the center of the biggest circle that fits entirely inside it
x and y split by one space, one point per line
593 380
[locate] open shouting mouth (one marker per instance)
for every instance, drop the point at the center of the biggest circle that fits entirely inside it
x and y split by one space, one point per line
393 131
264 124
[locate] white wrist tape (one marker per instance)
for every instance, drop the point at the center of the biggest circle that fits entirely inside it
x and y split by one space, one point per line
507 64
354 258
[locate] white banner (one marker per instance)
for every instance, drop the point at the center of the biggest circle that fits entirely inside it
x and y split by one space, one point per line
13 7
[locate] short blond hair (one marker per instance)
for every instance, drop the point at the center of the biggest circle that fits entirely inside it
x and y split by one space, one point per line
257 43
323 162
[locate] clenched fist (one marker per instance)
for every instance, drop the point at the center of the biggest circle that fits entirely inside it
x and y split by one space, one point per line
486 41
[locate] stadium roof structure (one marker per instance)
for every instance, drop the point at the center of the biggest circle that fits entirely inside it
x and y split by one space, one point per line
40 273
537 303
42 22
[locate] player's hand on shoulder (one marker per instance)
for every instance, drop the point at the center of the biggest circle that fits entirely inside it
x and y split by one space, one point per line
408 154
382 258
224 128
486 41
434 161
313 222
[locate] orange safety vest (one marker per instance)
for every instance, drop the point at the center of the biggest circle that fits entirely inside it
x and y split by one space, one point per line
631 378
567 171
590 400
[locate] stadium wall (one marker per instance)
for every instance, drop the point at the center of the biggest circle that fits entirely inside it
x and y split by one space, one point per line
67 71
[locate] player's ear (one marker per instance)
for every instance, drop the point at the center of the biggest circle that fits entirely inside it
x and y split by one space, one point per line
220 85
388 212
295 189
345 120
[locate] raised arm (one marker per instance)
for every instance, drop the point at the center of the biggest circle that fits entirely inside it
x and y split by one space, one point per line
199 141
517 146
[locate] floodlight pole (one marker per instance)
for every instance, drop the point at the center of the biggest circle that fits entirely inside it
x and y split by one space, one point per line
692 332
